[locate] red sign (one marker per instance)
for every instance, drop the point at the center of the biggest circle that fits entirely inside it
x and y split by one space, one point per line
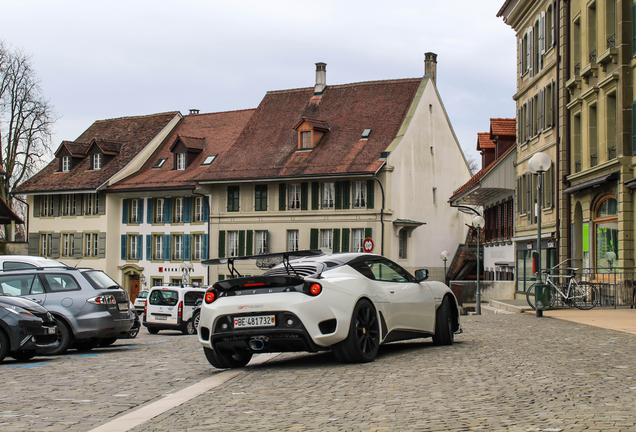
367 245
160 269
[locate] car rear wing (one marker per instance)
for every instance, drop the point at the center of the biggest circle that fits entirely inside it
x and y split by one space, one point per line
284 255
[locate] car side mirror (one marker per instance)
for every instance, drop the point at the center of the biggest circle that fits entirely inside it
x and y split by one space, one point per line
421 275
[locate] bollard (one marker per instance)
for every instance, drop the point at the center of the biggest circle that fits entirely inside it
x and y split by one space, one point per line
539 310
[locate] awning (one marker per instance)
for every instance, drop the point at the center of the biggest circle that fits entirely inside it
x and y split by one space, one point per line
408 223
593 183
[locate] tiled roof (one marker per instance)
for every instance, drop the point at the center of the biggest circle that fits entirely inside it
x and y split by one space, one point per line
503 127
108 146
219 130
133 132
484 141
74 148
268 146
191 142
317 124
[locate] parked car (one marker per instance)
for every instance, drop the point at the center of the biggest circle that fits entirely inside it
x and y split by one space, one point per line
171 307
25 327
349 303
11 262
140 301
87 304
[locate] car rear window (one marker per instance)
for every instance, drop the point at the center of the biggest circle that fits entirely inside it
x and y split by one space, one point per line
100 280
61 282
163 298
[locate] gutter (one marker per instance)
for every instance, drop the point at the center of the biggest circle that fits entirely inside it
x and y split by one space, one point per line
383 204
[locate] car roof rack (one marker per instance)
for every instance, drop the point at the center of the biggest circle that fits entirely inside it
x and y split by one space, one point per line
284 255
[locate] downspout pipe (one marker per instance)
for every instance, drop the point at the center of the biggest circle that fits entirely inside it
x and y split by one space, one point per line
568 155
381 212
557 183
207 205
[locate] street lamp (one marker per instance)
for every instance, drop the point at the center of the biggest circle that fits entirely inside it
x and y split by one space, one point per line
538 164
478 222
444 257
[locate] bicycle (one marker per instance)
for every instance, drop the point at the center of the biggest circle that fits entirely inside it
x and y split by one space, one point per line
583 295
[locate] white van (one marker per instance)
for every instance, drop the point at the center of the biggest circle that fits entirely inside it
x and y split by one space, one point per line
170 308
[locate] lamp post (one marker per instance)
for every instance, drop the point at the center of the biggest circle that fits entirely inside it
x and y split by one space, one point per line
538 164
444 257
478 222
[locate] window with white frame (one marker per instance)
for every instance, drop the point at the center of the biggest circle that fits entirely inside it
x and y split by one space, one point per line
68 244
92 204
178 210
132 247
158 203
91 245
46 205
177 241
328 192
133 216
261 242
46 241
327 238
294 197
359 194
198 209
68 204
232 243
358 239
66 163
181 161
403 242
292 240
197 246
97 161
157 252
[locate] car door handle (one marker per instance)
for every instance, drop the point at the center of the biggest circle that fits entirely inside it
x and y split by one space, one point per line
35 300
392 292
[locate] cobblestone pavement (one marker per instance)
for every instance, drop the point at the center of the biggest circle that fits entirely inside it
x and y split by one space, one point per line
505 373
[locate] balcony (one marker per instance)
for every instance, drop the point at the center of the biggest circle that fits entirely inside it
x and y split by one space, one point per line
575 81
591 68
610 54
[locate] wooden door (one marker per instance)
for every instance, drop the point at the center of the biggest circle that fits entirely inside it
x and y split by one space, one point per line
134 287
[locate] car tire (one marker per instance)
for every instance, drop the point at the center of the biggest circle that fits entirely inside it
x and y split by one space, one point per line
227 361
132 334
107 341
4 345
444 334
363 341
23 355
193 325
153 330
64 337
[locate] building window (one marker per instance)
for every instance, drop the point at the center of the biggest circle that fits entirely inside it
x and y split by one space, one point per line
305 139
260 197
359 194
133 215
68 245
197 244
68 203
178 210
403 243
157 241
158 212
233 198
606 233
328 192
593 135
92 245
198 209
292 240
261 242
159 163
181 161
294 197
46 205
92 204
177 241
46 241
232 243
327 238
97 161
66 163
156 281
358 239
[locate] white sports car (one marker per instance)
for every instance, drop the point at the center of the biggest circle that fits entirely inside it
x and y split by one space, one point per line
348 303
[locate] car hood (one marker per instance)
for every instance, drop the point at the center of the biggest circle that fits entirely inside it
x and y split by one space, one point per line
29 305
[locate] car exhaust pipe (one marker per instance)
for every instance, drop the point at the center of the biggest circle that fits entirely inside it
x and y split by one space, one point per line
257 344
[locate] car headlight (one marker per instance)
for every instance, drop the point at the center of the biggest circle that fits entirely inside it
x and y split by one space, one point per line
18 310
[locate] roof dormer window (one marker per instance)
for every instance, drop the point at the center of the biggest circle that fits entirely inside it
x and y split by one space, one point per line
180 163
97 161
306 139
66 164
310 132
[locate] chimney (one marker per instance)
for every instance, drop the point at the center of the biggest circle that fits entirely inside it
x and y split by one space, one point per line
194 111
430 66
321 78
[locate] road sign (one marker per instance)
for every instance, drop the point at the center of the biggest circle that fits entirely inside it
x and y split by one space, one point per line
367 245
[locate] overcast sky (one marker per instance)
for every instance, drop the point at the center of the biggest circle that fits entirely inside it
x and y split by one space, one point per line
106 59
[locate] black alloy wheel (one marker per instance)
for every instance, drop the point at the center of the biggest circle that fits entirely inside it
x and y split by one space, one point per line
444 334
64 337
363 342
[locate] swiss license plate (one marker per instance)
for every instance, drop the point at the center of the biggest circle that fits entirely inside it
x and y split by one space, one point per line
51 330
161 318
255 321
122 306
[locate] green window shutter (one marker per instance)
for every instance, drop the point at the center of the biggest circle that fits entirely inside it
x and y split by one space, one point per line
336 240
282 190
77 247
140 210
34 243
313 238
634 128
167 249
205 247
345 240
56 205
368 233
55 245
101 245
249 250
123 246
124 211
315 195
148 247
241 249
304 198
338 197
140 247
101 204
221 244
346 195
370 194
37 199
149 211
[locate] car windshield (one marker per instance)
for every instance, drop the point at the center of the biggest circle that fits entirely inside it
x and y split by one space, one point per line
162 297
100 280
143 295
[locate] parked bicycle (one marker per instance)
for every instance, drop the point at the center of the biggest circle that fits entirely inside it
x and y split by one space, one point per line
583 295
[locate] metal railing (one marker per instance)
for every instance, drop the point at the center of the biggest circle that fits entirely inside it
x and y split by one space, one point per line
593 56
611 41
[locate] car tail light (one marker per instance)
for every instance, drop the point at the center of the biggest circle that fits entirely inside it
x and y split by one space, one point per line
315 289
103 299
211 295
146 307
180 310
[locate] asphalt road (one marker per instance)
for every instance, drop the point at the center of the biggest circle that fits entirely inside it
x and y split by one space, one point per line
505 373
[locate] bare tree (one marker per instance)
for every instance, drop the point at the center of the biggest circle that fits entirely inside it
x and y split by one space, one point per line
473 164
25 120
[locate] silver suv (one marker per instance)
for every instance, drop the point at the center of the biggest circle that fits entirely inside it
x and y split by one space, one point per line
87 304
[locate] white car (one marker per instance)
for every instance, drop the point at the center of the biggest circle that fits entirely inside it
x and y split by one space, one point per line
140 301
348 303
171 307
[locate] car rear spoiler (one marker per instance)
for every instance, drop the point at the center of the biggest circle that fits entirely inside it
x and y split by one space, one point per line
284 255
